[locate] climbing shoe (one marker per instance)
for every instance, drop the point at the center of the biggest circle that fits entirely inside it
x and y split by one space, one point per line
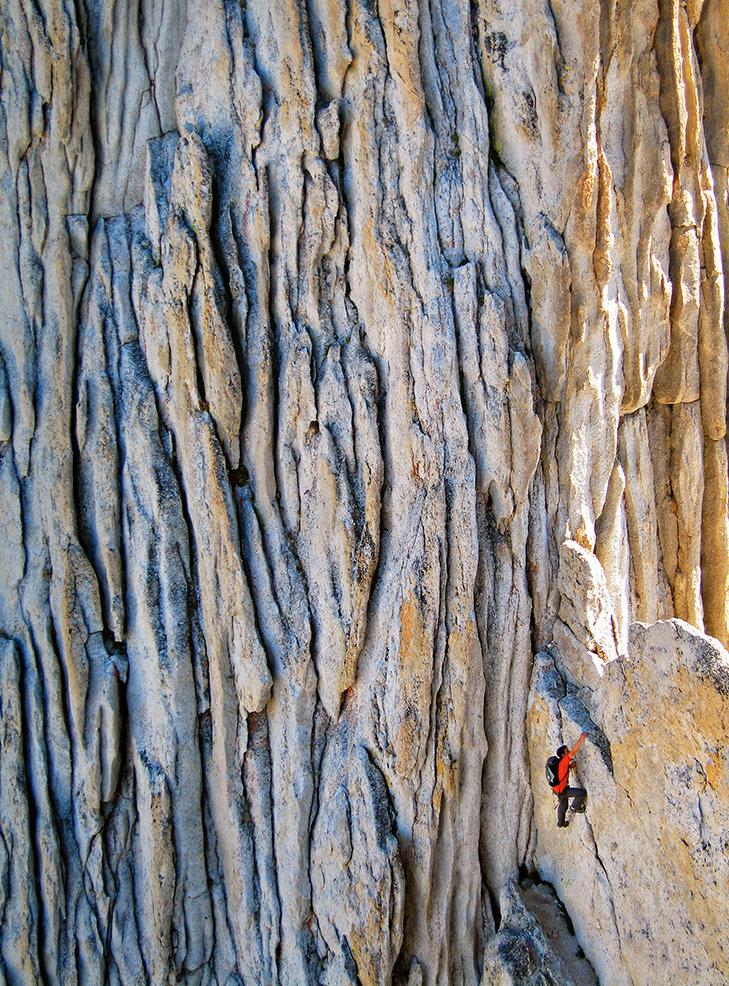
580 810
562 825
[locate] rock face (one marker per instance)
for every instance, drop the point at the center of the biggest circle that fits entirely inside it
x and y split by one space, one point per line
351 354
643 872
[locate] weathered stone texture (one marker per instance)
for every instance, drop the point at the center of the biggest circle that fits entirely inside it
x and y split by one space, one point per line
642 873
351 354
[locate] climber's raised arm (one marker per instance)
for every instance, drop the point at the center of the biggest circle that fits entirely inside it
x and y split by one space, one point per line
576 747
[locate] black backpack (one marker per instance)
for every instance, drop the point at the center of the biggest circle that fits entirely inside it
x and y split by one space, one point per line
552 771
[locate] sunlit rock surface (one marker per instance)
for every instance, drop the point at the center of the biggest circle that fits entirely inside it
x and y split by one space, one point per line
643 872
352 354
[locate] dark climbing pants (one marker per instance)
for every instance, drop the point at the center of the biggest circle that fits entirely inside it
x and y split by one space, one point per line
578 795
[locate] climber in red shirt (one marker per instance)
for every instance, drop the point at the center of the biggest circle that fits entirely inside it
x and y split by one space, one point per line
562 789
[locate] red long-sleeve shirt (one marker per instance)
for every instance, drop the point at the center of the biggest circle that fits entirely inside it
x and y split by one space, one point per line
563 772
563 769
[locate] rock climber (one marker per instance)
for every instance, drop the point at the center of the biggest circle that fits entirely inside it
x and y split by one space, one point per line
562 789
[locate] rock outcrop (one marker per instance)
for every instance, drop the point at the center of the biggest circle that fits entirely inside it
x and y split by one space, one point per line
351 354
643 872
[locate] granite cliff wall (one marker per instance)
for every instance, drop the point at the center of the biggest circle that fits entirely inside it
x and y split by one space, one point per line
351 355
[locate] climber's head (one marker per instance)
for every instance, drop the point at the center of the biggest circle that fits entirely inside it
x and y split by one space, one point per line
562 750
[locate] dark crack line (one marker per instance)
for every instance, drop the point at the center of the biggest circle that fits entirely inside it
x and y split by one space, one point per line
35 810
611 897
